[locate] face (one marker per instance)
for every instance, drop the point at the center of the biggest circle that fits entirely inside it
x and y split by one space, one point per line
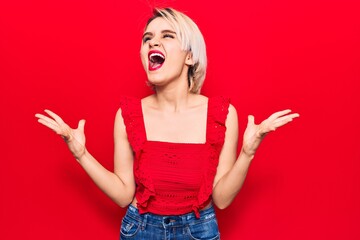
162 57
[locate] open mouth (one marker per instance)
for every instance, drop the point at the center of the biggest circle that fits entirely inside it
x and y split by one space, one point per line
156 60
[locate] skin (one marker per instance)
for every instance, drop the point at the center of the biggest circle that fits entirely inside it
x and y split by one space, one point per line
172 114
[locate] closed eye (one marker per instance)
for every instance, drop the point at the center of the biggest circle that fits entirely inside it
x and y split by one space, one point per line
145 39
168 36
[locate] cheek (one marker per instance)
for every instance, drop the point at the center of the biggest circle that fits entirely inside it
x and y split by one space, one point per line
143 58
143 61
179 57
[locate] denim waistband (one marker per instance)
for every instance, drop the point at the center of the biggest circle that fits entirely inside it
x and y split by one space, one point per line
170 220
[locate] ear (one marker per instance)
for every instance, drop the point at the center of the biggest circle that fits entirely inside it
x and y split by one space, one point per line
189 59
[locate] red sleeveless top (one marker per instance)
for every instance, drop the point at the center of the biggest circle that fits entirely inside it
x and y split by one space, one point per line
174 178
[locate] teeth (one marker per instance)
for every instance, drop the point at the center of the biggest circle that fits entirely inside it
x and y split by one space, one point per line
157 54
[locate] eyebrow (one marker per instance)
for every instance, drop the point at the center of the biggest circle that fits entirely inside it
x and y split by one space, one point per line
162 32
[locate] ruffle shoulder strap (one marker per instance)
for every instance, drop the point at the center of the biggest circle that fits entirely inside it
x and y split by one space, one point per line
133 119
218 108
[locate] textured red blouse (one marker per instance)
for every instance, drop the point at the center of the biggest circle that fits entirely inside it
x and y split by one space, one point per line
174 178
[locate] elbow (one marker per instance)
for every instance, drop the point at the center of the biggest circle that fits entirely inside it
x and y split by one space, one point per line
123 203
124 200
222 206
221 203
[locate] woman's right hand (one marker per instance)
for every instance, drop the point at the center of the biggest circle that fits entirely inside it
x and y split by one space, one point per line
75 138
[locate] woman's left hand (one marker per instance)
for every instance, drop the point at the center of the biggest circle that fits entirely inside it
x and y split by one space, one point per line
254 133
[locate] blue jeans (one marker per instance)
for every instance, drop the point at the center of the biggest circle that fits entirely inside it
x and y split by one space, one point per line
180 227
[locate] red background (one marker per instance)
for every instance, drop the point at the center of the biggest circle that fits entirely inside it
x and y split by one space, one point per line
78 57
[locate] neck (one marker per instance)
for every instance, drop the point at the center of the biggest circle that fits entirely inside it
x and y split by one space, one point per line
173 97
172 100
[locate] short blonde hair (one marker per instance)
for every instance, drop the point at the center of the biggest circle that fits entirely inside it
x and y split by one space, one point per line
191 40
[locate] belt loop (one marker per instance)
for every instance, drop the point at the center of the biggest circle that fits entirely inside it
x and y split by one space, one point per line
143 224
189 216
185 218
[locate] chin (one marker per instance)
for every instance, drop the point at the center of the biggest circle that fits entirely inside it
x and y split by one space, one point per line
153 83
154 79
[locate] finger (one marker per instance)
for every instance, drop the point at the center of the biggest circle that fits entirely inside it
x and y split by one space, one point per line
287 117
50 125
81 125
251 120
53 125
284 120
54 116
279 114
45 118
293 115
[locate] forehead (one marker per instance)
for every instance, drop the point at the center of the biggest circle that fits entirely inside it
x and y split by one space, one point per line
158 24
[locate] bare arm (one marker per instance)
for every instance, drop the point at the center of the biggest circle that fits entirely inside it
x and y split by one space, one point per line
118 185
231 172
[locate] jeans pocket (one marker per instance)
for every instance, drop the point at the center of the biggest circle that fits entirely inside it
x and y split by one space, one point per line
206 230
129 228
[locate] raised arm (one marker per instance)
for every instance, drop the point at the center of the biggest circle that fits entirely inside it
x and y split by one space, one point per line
231 172
118 185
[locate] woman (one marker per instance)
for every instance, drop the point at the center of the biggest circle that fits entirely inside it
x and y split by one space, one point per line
175 150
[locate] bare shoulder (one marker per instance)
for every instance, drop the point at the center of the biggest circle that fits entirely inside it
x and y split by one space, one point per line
197 100
232 117
232 110
200 98
118 116
119 124
149 101
149 98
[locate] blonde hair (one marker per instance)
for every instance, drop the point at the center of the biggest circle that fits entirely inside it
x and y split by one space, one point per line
191 40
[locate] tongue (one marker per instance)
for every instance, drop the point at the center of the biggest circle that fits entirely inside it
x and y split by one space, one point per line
155 62
154 65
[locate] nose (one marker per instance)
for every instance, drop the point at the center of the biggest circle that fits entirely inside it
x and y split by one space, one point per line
155 42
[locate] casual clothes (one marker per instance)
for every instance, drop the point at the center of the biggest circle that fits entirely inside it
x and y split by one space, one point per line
150 226
174 181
